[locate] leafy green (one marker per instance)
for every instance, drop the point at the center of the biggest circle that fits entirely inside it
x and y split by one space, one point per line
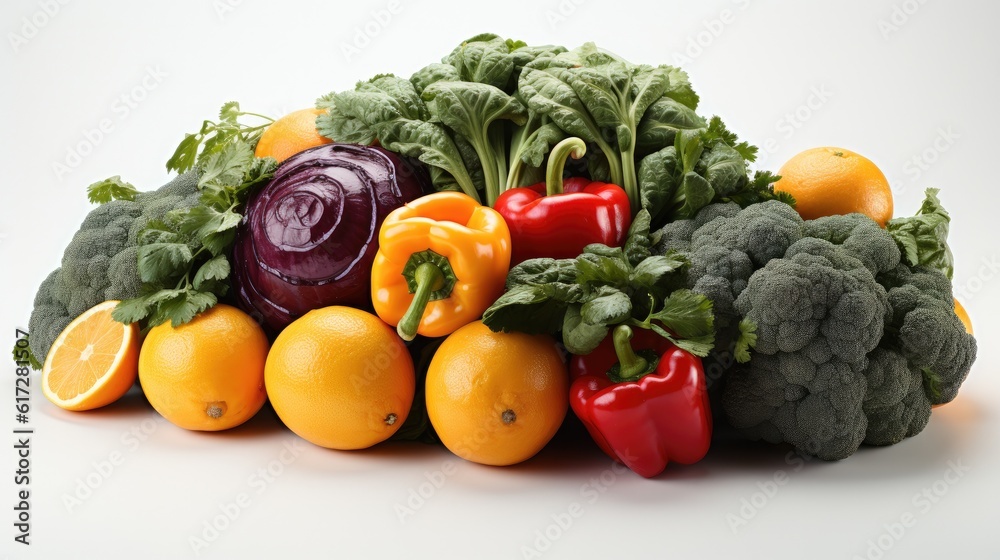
702 166
22 354
469 110
603 287
460 117
746 340
183 259
485 118
923 237
112 188
214 137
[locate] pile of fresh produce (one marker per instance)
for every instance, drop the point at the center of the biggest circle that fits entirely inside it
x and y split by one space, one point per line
414 258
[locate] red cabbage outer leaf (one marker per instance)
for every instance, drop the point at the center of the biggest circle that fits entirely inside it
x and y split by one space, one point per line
309 237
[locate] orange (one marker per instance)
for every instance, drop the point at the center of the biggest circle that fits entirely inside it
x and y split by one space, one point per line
92 362
340 378
290 135
207 374
830 181
964 316
496 398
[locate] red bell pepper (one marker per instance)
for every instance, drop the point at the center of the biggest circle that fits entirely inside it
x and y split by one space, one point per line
556 219
643 408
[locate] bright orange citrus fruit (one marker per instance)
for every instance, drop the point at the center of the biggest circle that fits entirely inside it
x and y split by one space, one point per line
831 181
964 316
496 398
340 378
93 361
291 134
207 374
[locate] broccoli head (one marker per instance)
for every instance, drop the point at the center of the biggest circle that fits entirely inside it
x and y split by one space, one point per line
100 262
819 312
854 342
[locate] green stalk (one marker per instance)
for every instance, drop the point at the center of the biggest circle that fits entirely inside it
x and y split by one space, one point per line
571 146
614 162
631 366
487 158
517 140
630 185
429 276
429 279
500 156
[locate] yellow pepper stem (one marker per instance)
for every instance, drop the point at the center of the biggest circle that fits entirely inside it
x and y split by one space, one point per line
429 277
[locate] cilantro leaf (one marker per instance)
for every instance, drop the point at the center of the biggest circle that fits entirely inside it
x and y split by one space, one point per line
227 167
185 155
23 354
608 306
216 268
112 188
746 340
158 261
687 314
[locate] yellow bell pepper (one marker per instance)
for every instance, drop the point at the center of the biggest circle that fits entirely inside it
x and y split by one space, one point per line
442 260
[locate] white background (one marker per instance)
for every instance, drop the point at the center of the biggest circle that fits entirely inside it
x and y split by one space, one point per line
910 84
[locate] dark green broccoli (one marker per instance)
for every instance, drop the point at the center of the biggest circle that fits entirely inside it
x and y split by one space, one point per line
853 344
100 262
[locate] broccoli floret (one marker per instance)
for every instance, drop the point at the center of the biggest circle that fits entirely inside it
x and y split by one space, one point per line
925 329
861 236
854 343
895 404
819 311
725 245
676 236
762 231
100 262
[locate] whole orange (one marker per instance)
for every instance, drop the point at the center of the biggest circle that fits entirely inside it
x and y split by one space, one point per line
830 181
291 134
207 374
496 398
340 378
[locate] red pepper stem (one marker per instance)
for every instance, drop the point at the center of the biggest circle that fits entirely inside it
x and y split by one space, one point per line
571 146
632 364
429 278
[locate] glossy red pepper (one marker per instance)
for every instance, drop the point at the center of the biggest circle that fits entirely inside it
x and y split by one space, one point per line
645 408
559 218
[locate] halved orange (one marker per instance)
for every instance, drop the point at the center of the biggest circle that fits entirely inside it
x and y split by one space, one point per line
93 362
